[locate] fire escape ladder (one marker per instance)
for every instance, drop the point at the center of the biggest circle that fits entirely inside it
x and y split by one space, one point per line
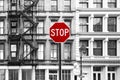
34 3
21 37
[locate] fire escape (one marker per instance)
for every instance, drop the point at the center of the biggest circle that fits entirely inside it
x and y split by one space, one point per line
17 35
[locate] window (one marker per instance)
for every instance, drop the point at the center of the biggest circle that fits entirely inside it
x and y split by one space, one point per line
26 74
67 51
41 51
13 50
40 74
112 48
53 75
13 27
54 5
26 51
13 1
112 21
2 74
97 3
1 51
111 73
112 3
40 5
27 25
68 22
40 27
83 24
54 51
1 5
97 24
66 75
85 43
1 27
97 47
53 21
97 73
13 74
67 5
83 3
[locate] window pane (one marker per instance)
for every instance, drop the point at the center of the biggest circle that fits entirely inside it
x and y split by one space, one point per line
85 43
97 24
1 5
13 74
2 74
84 24
83 4
40 74
26 51
1 51
112 48
40 51
67 5
94 76
1 27
40 5
67 48
53 5
54 51
66 75
97 68
26 74
13 47
112 24
97 47
40 27
97 3
112 3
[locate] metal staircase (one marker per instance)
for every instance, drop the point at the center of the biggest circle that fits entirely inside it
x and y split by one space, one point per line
16 36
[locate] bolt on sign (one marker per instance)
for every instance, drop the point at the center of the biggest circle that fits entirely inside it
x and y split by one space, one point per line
59 32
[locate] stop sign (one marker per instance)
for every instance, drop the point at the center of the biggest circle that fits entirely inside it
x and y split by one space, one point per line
59 32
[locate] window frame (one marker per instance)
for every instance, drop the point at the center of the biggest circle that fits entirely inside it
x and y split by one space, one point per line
2 6
66 74
40 74
95 3
24 51
82 3
41 28
111 72
54 7
111 2
69 57
3 51
40 51
2 28
67 7
82 24
14 74
111 48
112 24
52 50
41 5
2 74
96 73
99 26
95 47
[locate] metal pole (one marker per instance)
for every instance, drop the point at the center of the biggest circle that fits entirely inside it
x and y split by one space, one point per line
59 61
80 65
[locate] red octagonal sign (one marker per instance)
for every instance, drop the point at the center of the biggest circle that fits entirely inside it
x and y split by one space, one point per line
59 32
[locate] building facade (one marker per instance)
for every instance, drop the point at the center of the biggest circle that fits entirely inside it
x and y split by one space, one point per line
93 23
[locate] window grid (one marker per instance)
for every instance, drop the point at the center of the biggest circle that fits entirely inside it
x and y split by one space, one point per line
1 5
84 24
97 3
13 74
2 74
112 48
66 74
85 43
54 5
1 51
27 51
67 51
112 3
40 27
1 27
97 48
41 51
83 4
40 74
54 51
67 5
40 5
97 24
112 27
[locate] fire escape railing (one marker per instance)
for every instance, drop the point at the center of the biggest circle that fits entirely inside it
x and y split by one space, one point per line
19 37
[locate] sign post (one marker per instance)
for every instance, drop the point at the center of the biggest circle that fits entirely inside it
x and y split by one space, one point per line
59 33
